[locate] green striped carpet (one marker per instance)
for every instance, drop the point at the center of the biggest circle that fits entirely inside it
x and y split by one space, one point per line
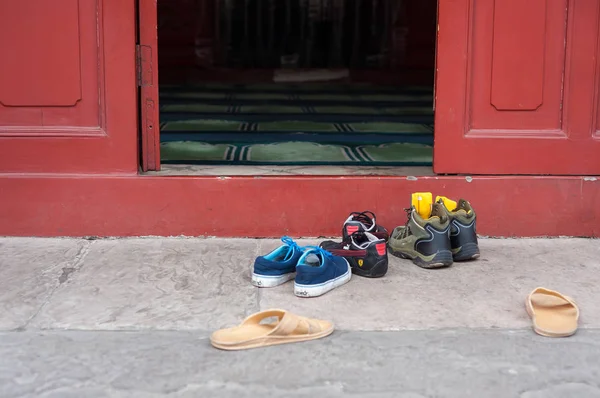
296 153
305 124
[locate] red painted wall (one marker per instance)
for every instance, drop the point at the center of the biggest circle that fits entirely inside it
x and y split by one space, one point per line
69 159
271 206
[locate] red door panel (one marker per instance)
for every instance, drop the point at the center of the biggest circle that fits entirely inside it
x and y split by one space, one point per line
518 57
511 94
67 86
41 82
52 75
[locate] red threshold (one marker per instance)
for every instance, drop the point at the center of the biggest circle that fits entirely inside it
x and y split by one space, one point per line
274 206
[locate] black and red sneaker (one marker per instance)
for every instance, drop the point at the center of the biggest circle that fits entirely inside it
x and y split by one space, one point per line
365 252
363 222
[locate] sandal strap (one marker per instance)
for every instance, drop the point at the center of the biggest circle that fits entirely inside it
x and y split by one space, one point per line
286 326
292 323
258 317
288 322
554 293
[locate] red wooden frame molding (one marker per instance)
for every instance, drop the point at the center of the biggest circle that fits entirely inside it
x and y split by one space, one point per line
132 205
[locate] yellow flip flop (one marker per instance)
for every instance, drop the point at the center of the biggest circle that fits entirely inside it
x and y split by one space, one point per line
288 328
553 314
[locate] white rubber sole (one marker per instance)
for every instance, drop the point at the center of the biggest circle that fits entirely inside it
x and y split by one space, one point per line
321 289
271 281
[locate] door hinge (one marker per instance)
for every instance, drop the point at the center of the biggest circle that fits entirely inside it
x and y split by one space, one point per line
143 65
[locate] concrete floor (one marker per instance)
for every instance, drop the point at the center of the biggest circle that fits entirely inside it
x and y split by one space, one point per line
131 318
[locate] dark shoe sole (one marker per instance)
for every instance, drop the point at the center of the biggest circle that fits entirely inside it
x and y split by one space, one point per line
469 251
442 259
378 270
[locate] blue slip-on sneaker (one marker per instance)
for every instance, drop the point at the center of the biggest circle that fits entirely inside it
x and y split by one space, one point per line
277 267
319 271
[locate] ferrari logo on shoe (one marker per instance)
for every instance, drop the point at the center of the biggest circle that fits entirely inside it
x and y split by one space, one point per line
360 262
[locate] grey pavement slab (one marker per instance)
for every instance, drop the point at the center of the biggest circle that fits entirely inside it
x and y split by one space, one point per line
406 364
156 284
204 284
487 293
30 270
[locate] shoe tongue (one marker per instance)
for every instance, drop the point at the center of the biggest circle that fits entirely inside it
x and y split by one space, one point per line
289 254
438 211
422 202
313 260
365 221
362 240
355 245
449 203
464 207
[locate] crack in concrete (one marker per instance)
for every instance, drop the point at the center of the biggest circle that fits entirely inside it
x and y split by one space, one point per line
75 265
66 271
77 262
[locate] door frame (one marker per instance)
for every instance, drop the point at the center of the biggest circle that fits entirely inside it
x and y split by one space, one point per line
147 72
147 81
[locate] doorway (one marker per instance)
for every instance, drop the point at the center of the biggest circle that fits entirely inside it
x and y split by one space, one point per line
296 83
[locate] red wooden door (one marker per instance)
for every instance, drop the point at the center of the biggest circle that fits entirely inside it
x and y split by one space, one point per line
147 53
67 86
517 87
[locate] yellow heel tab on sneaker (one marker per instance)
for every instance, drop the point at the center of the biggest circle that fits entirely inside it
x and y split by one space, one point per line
422 202
449 203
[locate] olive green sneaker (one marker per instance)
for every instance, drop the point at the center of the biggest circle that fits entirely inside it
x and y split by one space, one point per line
463 234
424 240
